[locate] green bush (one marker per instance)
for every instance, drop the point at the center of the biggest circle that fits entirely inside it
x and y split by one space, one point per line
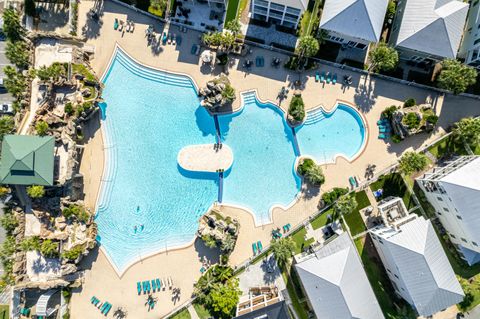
411 120
69 108
76 211
396 138
331 196
312 172
297 108
388 112
84 107
8 221
73 253
304 166
36 191
209 241
410 102
30 243
41 128
432 118
49 248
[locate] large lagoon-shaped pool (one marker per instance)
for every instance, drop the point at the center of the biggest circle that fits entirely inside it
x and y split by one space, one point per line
148 203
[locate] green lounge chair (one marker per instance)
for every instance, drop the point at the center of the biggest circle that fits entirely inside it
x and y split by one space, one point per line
154 287
139 288
329 78
322 77
352 181
334 79
159 284
382 136
102 308
107 309
115 24
254 248
259 245
92 300
317 77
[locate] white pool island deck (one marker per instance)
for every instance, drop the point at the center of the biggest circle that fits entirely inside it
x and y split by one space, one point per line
205 157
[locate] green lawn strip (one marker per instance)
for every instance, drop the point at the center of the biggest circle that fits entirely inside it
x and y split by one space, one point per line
380 284
295 291
354 220
201 311
447 146
242 7
183 314
299 239
4 312
393 185
82 69
322 219
156 12
232 9
306 24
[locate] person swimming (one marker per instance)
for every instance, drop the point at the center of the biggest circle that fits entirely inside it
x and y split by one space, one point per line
142 227
135 228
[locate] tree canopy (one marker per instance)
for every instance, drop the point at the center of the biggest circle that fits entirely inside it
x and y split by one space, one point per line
283 249
456 76
233 26
7 125
223 298
308 46
468 130
382 58
345 205
18 53
12 25
36 191
412 162
14 81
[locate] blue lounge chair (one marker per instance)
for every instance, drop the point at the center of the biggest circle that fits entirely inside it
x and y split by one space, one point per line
317 77
382 136
144 286
329 78
322 77
164 38
148 286
259 245
194 49
154 287
385 129
159 284
254 248
139 288
102 308
352 181
382 122
107 308
115 24
334 79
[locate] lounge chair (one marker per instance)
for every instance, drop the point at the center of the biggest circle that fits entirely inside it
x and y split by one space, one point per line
132 26
334 79
382 122
159 284
194 48
322 77
154 286
382 136
317 77
169 40
385 129
144 286
139 288
164 38
102 308
115 24
329 78
254 248
352 181
257 61
120 27
260 247
148 286
107 308
174 39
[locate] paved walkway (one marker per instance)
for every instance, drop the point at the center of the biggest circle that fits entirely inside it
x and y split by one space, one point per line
193 313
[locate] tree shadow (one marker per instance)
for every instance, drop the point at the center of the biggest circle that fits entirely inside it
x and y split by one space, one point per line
365 96
94 22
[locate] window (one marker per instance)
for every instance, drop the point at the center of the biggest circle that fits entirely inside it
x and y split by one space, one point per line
464 240
380 241
445 209
396 276
459 217
474 243
438 213
440 199
452 235
388 270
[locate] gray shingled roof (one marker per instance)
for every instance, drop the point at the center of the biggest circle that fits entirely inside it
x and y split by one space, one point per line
362 19
424 267
433 26
336 284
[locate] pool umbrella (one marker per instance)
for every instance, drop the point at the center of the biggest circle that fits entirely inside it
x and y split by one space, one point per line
207 56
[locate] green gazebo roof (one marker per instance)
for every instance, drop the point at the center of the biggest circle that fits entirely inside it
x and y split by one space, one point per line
27 160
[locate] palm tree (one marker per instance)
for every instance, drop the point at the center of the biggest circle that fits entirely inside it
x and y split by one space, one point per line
315 175
467 131
12 25
228 244
233 26
382 58
18 53
345 205
223 273
228 93
283 249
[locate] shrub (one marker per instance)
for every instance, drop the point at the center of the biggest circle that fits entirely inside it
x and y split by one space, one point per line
76 211
304 166
209 241
432 118
388 112
49 248
4 190
30 243
7 125
9 222
331 196
410 102
69 108
315 175
411 120
84 107
297 108
73 253
412 162
41 128
396 138
36 191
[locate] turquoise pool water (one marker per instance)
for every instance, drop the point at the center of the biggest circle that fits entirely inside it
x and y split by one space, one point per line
148 203
324 135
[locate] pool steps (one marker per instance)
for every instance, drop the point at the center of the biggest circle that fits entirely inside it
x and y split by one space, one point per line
151 74
315 116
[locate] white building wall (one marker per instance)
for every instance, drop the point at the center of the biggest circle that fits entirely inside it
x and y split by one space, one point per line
470 47
285 14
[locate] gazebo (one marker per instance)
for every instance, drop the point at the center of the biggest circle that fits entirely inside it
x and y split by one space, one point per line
27 160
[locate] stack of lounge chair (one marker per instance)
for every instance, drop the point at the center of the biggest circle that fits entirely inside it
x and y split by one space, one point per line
286 228
384 128
104 307
353 182
154 285
276 233
259 61
257 248
328 78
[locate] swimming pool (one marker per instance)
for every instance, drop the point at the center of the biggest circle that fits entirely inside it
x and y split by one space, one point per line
148 203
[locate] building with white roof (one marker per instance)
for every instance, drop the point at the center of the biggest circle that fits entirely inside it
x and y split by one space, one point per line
414 259
428 29
355 23
335 282
454 192
283 12
470 48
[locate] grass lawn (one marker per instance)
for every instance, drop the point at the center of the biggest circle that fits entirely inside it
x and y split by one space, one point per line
447 146
157 12
82 69
393 185
321 220
201 311
354 220
4 311
380 283
308 18
184 314
295 291
299 239
427 207
242 7
232 10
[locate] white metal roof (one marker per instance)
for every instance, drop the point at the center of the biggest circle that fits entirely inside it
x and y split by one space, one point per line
433 26
424 267
336 284
362 19
299 4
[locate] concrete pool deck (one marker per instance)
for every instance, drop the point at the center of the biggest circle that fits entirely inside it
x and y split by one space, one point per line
370 95
205 158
